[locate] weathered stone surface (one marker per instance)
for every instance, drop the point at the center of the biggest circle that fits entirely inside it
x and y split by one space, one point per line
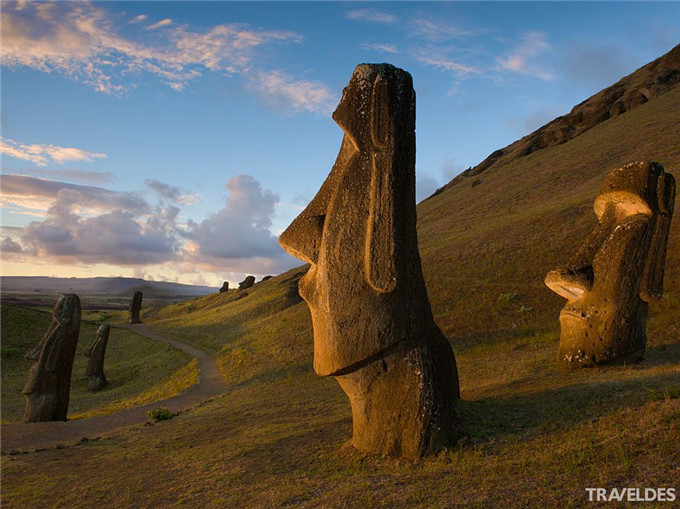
96 380
135 308
266 278
618 270
225 287
373 326
246 283
47 389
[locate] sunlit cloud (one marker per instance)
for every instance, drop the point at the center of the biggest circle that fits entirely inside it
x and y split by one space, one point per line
80 40
87 177
43 154
385 48
138 19
437 30
372 15
451 66
520 59
161 23
286 93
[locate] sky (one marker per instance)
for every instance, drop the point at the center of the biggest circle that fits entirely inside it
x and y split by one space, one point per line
176 140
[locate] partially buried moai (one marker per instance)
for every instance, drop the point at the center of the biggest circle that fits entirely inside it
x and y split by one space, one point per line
96 380
135 308
373 326
47 389
619 269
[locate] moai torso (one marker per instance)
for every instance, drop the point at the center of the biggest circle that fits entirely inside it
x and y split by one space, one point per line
135 308
96 352
618 270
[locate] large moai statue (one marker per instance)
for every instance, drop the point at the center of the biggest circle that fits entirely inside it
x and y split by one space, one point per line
619 269
47 389
135 308
225 287
373 326
246 283
96 380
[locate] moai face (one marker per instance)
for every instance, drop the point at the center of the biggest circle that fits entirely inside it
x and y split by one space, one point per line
358 233
618 270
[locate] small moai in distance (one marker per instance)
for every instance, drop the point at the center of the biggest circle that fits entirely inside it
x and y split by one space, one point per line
135 308
618 270
373 325
47 389
96 380
246 283
225 287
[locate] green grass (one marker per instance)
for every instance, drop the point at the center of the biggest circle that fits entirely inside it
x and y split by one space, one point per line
138 369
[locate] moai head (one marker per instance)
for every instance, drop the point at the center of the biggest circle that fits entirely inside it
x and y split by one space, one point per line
358 233
618 270
248 282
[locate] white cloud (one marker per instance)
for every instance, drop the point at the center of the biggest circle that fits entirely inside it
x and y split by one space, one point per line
162 23
81 41
239 235
286 93
453 67
42 154
437 30
520 59
385 48
88 177
372 15
139 19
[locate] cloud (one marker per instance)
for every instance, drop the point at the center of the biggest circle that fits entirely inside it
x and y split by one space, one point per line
31 192
372 16
595 65
81 41
520 58
161 23
139 19
457 69
426 184
42 154
287 94
118 237
8 245
541 117
450 168
165 190
88 177
240 232
437 30
385 48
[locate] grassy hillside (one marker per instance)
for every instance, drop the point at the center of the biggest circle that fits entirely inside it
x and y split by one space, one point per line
138 369
531 435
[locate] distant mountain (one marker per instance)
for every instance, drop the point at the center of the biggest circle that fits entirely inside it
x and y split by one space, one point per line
650 81
112 286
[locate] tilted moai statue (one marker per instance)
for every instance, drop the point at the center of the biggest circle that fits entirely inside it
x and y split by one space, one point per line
225 287
135 308
96 380
246 283
619 269
47 389
373 326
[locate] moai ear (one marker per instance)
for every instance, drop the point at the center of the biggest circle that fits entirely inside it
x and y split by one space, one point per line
652 282
379 258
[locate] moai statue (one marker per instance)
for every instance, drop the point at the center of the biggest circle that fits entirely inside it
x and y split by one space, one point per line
135 308
96 380
47 389
225 287
373 326
619 269
246 283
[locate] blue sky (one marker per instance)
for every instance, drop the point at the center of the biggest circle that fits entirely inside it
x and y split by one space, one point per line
173 140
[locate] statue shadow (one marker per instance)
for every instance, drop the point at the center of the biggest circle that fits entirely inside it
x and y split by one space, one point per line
581 396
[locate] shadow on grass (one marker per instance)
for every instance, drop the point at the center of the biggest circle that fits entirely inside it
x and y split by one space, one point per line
563 407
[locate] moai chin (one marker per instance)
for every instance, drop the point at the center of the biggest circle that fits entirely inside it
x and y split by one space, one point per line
135 308
96 380
373 326
619 269
47 389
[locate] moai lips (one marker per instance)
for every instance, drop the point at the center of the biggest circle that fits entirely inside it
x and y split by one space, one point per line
618 270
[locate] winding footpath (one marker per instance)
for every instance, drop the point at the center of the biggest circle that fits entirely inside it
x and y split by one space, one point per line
21 437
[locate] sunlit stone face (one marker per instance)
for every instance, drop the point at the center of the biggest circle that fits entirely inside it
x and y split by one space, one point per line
618 270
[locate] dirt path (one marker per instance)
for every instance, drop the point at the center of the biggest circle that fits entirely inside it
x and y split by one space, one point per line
21 437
